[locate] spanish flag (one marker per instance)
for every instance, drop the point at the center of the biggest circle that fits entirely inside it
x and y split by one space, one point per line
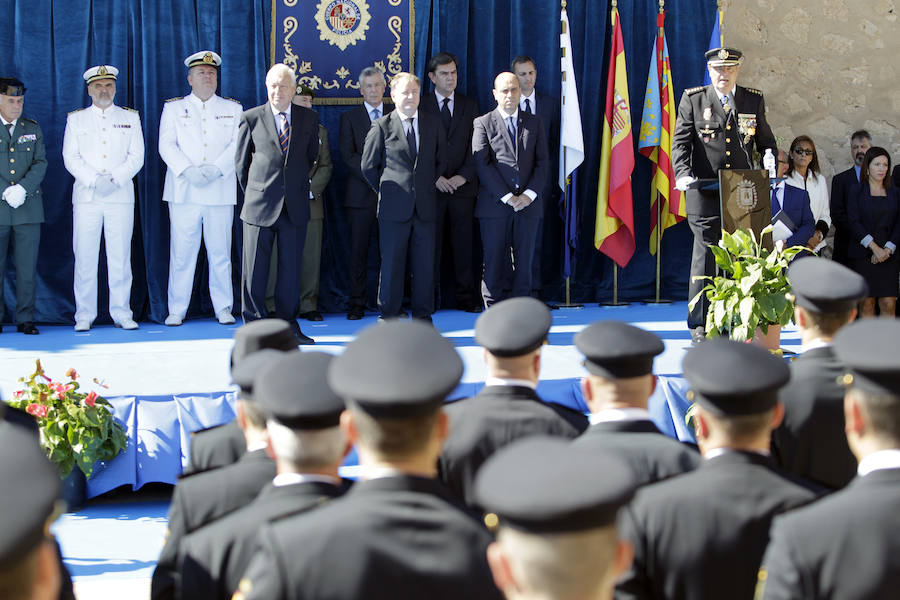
655 141
614 227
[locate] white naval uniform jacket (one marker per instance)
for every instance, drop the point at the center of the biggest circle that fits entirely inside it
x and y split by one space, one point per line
103 142
193 132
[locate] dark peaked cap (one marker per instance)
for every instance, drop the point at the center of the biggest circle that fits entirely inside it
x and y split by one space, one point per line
824 286
868 348
396 369
244 372
264 333
293 389
543 484
513 327
618 350
732 379
28 494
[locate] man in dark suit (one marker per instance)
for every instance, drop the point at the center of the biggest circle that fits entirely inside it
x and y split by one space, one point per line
846 546
810 442
717 127
24 161
402 158
790 208
396 533
278 143
510 149
703 534
549 230
620 381
308 446
201 498
360 200
512 333
457 186
860 142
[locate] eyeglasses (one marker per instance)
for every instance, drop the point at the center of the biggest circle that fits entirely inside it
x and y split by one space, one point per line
803 151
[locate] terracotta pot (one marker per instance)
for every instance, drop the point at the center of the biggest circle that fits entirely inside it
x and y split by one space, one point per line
769 341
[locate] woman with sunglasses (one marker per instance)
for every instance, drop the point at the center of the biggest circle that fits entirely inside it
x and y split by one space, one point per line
804 173
873 209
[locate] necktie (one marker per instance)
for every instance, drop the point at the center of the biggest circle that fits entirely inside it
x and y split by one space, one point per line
9 128
284 134
411 138
776 205
445 114
726 105
528 106
511 128
375 114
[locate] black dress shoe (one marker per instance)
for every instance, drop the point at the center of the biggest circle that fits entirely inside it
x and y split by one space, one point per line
472 308
356 313
27 328
312 315
304 340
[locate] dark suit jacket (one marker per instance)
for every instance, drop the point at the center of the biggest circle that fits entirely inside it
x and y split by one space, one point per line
354 127
202 498
863 220
548 111
840 188
212 560
404 186
795 204
459 140
501 163
270 179
702 535
652 455
846 546
385 539
216 447
498 415
810 443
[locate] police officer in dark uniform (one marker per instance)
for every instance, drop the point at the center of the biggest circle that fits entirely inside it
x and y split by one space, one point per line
555 507
303 414
201 498
620 381
810 443
717 127
508 407
23 164
702 535
225 444
848 544
396 533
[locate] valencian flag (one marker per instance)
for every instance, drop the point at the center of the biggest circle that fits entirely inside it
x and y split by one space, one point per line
655 141
571 145
614 227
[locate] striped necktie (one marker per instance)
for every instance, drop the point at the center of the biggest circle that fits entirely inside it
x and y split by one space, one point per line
284 133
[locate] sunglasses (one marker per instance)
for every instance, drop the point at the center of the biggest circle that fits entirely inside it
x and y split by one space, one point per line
803 151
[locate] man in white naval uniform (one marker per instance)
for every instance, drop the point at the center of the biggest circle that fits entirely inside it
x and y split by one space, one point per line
197 138
103 148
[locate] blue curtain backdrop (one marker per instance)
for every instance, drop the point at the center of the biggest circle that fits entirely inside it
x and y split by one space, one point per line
48 44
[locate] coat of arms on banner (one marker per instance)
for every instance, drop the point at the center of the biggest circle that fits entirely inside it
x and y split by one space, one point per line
342 22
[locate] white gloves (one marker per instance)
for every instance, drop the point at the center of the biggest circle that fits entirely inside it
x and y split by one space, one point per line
210 172
15 195
195 176
682 183
105 185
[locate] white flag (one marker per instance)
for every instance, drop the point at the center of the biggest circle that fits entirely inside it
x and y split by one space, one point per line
571 137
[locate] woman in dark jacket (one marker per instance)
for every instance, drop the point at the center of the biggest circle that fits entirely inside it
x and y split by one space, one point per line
873 209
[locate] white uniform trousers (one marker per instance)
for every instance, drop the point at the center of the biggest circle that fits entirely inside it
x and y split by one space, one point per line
115 220
189 222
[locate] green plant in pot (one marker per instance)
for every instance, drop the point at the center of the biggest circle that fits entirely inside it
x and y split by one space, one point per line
77 429
751 288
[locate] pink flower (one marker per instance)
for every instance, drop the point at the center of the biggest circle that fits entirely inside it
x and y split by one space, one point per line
61 390
91 399
38 410
18 394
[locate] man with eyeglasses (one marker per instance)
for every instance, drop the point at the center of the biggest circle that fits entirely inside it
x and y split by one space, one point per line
718 127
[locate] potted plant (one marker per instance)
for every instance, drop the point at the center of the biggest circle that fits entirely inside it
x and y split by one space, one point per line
749 295
77 429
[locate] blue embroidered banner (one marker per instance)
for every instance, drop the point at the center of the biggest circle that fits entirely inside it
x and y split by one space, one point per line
328 42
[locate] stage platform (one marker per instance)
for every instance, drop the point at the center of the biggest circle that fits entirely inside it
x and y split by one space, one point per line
165 382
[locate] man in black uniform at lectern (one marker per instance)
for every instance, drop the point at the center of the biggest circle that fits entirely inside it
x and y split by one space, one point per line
717 127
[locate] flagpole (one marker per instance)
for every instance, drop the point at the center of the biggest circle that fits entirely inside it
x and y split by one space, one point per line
615 298
720 4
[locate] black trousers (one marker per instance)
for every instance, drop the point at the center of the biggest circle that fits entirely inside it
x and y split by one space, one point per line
361 222
705 222
461 212
413 239
508 247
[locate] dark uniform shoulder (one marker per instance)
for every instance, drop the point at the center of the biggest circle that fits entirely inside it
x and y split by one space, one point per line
754 91
694 90
27 120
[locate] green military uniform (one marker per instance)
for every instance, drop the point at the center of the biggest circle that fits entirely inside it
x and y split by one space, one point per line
319 177
23 161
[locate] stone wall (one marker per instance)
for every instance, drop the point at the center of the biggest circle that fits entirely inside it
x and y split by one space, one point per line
826 68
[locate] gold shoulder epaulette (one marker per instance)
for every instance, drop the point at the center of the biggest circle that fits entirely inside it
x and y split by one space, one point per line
694 90
754 91
134 110
233 100
72 112
174 99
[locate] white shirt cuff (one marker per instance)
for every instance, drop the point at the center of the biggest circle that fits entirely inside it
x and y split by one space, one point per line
866 241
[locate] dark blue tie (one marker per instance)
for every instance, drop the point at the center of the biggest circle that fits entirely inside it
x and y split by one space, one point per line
411 139
511 128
